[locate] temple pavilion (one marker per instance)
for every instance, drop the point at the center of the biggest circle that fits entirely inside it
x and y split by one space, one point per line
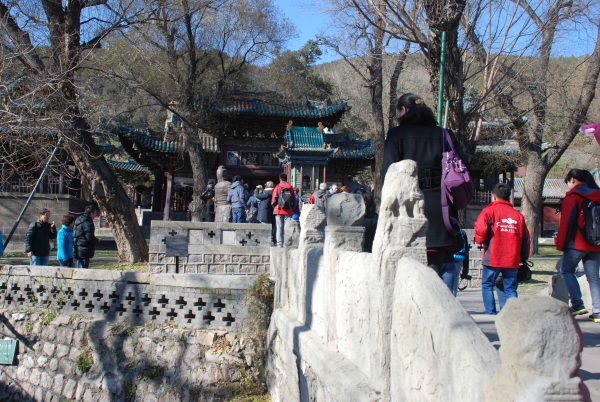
263 136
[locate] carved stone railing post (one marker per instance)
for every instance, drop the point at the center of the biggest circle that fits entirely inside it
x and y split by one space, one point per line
345 213
401 231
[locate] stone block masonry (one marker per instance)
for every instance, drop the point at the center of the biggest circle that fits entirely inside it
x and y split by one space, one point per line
209 248
194 300
81 358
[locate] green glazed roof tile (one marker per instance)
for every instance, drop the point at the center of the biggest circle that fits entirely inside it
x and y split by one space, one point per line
149 141
129 166
310 140
280 108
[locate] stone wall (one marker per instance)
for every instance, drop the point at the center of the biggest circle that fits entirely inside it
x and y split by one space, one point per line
151 337
212 301
11 205
78 357
211 248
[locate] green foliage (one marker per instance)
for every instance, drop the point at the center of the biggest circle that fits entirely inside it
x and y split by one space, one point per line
47 316
117 353
129 390
292 73
250 389
84 363
14 254
28 327
151 372
122 328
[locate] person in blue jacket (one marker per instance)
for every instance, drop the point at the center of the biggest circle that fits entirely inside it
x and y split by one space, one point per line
238 198
64 239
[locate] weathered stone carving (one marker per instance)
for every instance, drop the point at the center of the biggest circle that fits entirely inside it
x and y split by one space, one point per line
312 225
437 351
222 209
291 233
345 209
541 344
401 230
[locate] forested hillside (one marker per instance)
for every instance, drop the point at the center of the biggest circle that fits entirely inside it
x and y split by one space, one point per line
584 152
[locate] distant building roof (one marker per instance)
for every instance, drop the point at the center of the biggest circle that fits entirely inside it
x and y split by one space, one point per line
287 109
129 166
350 148
274 105
503 146
309 140
151 141
499 146
553 188
27 131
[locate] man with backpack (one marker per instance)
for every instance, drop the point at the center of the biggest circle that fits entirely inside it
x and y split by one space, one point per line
283 202
505 238
577 241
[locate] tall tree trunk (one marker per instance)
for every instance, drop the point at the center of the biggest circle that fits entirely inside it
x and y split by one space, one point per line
376 91
197 207
445 16
108 193
393 94
531 203
453 77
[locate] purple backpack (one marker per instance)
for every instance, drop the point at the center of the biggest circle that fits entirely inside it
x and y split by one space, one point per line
457 186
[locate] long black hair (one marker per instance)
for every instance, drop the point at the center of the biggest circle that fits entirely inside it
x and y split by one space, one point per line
417 113
583 176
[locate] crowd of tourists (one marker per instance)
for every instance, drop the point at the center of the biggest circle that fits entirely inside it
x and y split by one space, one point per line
275 203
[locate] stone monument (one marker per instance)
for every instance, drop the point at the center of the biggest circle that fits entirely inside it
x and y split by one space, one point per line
222 209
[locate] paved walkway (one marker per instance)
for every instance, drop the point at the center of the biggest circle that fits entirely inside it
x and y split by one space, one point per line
590 358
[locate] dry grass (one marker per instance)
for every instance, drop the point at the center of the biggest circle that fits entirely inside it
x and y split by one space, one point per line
542 272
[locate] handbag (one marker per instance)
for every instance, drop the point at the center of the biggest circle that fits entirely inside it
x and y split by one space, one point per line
456 184
524 273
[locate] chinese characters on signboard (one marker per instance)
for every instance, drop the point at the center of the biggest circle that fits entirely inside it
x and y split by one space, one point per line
251 158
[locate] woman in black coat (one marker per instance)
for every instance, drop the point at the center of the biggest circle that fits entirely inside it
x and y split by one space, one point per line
265 209
417 137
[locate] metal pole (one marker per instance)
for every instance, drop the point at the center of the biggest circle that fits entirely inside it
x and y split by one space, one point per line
446 107
33 192
440 99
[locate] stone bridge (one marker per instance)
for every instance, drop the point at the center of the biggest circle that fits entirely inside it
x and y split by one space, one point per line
354 326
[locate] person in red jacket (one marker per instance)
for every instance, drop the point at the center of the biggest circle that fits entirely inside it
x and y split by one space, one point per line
282 213
571 242
502 231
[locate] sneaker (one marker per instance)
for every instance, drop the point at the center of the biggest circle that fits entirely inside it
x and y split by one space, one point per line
578 311
594 317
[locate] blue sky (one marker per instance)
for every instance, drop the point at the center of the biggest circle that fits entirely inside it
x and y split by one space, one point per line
309 21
